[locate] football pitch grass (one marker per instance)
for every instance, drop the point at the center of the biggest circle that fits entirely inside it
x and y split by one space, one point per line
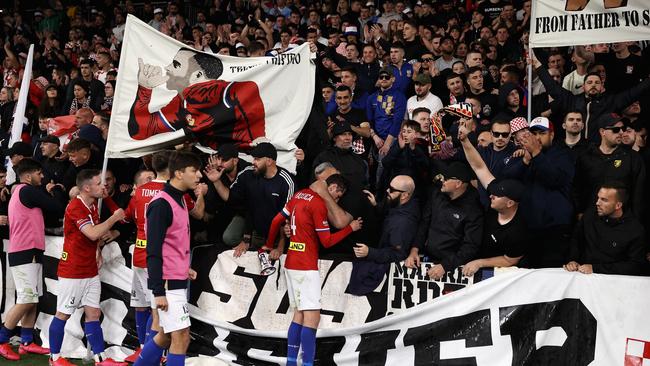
36 360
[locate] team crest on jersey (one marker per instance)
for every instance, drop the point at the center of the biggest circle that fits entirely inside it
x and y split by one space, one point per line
298 247
617 163
64 256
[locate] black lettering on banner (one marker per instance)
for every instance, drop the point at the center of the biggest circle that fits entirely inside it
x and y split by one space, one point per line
474 328
285 59
240 344
521 322
374 346
646 17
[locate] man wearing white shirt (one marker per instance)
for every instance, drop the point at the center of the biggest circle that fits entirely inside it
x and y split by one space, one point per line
422 97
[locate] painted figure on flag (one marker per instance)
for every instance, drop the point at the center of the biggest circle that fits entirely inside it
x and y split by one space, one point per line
213 111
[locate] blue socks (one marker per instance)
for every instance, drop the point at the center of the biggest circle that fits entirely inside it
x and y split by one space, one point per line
26 335
308 342
57 329
5 334
175 360
150 332
293 343
95 336
141 321
151 354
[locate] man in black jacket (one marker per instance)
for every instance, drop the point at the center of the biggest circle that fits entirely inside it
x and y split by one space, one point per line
397 235
592 103
609 162
450 231
547 170
609 239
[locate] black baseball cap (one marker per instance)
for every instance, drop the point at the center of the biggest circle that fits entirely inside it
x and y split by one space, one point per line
51 139
341 128
510 188
19 148
610 119
265 150
459 170
227 151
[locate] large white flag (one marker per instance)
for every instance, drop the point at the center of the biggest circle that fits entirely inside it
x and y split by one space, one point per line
20 120
168 92
557 23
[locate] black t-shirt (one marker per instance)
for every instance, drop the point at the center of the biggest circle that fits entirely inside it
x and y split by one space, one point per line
622 74
491 10
509 239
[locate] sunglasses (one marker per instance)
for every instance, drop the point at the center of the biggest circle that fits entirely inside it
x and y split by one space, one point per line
427 60
384 77
500 134
614 129
392 189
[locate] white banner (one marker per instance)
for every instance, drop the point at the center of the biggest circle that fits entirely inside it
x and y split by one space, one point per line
167 91
408 287
519 317
558 23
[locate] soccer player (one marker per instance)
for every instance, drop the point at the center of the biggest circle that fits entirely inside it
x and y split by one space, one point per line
146 322
26 247
308 225
168 262
83 236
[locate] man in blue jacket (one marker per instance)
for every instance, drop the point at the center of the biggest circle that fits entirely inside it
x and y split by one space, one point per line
547 170
385 111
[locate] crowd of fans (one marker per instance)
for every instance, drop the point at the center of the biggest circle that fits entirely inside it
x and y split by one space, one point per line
385 71
421 140
566 188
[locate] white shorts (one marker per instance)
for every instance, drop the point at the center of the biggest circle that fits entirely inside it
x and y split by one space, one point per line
304 289
140 295
177 316
29 282
77 292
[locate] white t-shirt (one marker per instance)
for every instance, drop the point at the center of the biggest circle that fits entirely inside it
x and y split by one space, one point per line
573 82
431 102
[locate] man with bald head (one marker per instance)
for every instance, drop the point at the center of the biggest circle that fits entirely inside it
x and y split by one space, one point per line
84 116
402 214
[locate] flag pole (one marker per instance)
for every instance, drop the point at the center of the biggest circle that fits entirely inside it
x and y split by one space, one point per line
103 182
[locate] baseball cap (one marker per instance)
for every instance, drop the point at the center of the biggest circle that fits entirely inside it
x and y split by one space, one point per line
458 170
386 70
610 119
510 188
340 128
227 151
350 31
239 45
542 124
370 3
51 139
265 150
447 37
423 79
518 124
158 10
19 148
38 14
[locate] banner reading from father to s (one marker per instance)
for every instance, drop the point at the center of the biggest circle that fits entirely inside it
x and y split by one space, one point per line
556 23
168 92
